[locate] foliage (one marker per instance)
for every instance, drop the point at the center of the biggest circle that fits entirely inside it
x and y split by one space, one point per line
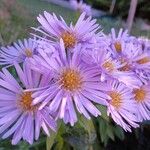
87 134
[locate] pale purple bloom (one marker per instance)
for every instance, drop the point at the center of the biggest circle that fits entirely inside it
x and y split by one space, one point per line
142 66
81 7
127 50
135 60
18 118
73 84
142 99
117 41
54 29
122 107
18 52
101 57
110 67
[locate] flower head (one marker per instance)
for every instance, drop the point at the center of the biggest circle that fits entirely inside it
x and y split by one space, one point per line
19 118
122 107
117 41
18 52
54 29
142 99
111 67
135 60
73 84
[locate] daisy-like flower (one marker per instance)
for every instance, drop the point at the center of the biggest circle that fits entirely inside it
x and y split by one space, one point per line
122 106
103 59
74 84
135 60
18 117
18 52
142 99
110 67
117 42
81 7
142 65
55 29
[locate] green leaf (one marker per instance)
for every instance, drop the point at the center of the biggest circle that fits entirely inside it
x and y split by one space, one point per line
119 132
103 111
60 143
89 127
87 124
78 142
59 139
110 132
50 140
102 129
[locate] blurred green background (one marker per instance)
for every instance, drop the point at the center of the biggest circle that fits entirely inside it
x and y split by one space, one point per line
16 19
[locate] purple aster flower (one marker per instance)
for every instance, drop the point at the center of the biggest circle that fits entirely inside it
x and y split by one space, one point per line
122 106
73 84
135 60
53 28
19 118
117 42
81 7
103 59
18 52
110 67
141 64
142 99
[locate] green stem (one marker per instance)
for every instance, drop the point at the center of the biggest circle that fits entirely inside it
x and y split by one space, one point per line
50 141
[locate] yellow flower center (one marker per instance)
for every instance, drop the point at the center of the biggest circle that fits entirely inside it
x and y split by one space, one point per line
70 80
116 99
108 66
69 39
26 101
139 95
28 53
118 46
126 67
144 60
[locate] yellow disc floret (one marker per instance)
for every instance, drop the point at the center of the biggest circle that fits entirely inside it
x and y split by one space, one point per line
70 80
25 101
139 95
116 99
118 46
69 39
28 53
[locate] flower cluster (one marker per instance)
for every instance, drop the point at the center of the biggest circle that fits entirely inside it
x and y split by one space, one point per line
66 70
